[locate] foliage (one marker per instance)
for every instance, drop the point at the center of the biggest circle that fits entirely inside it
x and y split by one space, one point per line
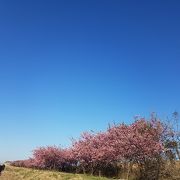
142 144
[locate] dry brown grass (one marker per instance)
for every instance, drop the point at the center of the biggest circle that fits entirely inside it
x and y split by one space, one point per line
16 173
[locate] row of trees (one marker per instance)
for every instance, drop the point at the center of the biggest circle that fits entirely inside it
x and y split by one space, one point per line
140 148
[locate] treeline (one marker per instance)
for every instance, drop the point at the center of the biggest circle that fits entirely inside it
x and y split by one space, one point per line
140 150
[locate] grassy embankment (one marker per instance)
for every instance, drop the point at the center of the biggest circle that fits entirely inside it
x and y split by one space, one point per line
15 173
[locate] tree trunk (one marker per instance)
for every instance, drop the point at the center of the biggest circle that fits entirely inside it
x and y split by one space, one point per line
99 173
177 152
84 171
158 168
92 168
128 170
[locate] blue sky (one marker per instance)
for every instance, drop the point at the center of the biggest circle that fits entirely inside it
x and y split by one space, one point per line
71 66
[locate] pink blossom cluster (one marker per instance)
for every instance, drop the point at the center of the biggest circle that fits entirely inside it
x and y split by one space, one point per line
50 157
136 143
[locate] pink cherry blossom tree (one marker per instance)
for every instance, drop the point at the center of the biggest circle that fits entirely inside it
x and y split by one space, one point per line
140 143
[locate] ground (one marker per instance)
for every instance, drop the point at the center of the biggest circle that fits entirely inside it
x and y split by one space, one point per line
15 173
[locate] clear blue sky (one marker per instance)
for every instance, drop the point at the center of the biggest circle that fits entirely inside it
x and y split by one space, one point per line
70 66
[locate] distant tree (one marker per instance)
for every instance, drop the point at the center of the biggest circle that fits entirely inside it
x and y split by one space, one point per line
172 141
